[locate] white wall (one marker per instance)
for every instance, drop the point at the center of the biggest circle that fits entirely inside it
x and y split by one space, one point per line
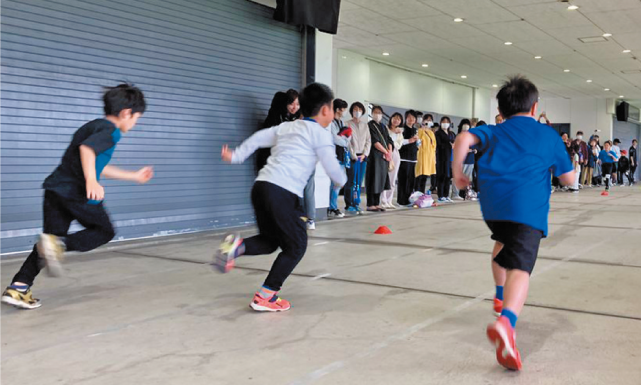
324 64
483 105
364 80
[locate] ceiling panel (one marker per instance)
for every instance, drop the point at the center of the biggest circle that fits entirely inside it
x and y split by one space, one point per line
550 15
545 47
571 35
398 9
445 28
618 21
629 40
474 12
419 39
606 5
514 31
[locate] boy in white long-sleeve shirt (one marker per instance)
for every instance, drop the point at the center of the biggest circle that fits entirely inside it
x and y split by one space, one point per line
278 190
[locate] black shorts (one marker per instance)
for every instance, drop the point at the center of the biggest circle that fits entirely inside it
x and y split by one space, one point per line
520 244
606 168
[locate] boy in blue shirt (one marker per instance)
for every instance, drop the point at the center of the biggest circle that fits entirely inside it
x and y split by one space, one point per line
514 175
73 192
607 159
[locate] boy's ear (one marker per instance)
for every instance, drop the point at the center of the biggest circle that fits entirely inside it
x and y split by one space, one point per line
534 108
125 114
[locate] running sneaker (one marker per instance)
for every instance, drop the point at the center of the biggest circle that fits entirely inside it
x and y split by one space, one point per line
458 198
338 213
225 257
502 335
359 210
448 200
498 307
20 299
51 250
273 304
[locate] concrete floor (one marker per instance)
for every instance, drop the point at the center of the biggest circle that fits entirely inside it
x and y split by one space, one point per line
406 308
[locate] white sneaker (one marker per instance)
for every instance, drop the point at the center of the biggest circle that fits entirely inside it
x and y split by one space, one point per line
311 225
458 198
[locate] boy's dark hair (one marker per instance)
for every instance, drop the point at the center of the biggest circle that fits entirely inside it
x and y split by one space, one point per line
314 97
410 112
616 141
121 97
356 104
481 123
377 108
399 116
517 95
635 141
292 95
579 133
339 104
428 116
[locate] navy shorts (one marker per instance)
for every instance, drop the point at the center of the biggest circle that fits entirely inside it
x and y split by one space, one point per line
520 244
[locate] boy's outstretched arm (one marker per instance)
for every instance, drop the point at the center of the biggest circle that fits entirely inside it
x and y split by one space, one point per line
262 139
141 176
327 156
567 178
464 141
88 159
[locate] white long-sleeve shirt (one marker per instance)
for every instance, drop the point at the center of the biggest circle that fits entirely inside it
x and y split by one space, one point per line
296 147
361 141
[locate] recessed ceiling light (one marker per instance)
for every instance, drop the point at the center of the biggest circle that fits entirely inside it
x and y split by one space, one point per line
566 70
425 65
495 86
606 89
508 43
621 96
537 57
463 76
589 81
626 51
573 7
344 57
385 53
458 20
607 34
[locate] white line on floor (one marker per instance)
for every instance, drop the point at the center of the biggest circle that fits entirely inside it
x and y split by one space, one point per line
321 243
337 365
321 276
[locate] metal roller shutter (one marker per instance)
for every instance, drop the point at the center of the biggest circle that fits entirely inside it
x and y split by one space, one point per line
209 69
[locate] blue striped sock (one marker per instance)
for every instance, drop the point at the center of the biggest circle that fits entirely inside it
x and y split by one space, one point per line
499 293
266 293
509 314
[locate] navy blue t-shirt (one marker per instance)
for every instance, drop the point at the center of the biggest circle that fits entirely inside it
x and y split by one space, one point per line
68 179
514 171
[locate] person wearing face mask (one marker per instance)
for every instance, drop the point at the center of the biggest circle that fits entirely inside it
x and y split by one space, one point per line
380 155
419 120
359 148
426 157
408 153
395 132
443 160
284 108
583 163
468 164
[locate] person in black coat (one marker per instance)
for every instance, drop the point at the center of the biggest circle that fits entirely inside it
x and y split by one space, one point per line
409 152
443 160
284 108
377 172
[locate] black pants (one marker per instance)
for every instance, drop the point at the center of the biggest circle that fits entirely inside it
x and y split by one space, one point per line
633 169
433 183
443 185
420 183
58 214
373 199
406 174
279 215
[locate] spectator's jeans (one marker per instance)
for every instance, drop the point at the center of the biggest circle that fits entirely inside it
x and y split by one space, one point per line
355 177
333 194
309 201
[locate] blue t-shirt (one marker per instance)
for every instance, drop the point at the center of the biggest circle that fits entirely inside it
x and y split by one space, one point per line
514 171
605 158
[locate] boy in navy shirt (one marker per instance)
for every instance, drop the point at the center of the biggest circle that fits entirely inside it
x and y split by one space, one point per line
73 192
607 160
514 175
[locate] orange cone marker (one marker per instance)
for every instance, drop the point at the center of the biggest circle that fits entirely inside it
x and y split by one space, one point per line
383 230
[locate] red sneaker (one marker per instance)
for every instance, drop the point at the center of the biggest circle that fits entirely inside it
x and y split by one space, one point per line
224 259
502 335
273 304
498 307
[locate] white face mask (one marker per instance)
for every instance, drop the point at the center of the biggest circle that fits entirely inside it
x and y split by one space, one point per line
377 117
466 127
445 126
357 114
580 137
430 124
419 120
